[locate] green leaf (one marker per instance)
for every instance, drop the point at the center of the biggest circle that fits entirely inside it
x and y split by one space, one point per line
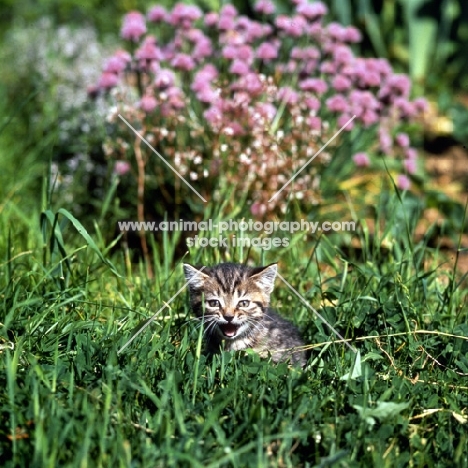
422 39
384 410
356 370
89 240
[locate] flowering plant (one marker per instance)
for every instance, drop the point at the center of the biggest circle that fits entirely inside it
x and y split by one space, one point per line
224 97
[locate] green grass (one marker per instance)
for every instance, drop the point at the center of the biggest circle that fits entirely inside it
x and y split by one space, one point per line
68 398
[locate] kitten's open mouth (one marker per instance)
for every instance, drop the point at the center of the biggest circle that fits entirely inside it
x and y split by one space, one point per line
229 329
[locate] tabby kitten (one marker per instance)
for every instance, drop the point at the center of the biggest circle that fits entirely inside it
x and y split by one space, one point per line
232 300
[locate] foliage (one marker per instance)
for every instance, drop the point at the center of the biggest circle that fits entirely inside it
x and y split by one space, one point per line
102 15
459 114
70 398
425 37
45 88
229 100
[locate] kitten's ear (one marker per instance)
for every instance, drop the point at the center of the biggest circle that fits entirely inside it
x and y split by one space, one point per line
265 278
194 277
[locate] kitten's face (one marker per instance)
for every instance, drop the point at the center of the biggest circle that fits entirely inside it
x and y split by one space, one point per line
230 297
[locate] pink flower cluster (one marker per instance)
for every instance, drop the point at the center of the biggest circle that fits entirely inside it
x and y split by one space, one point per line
258 100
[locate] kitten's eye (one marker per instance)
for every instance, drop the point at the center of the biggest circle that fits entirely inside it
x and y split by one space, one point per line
243 303
213 303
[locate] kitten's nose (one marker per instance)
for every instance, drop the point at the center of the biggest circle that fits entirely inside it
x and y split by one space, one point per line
228 318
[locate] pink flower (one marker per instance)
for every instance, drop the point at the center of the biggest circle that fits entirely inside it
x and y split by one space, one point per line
167 111
315 85
361 160
352 34
297 53
123 55
309 67
134 26
421 104
397 85
370 79
202 48
315 30
400 83
200 82
256 31
266 110
233 129
292 26
364 106
402 139
267 51
211 19
207 94
311 53
405 108
337 31
148 50
342 55
411 153
381 66
312 11
328 67
148 103
214 115
108 80
403 182
370 72
244 52
264 7
250 83
193 34
341 83
289 67
239 67
288 95
312 103
345 121
315 123
229 51
205 75
157 14
356 69
410 165
258 209
283 22
169 51
184 15
241 99
243 24
121 168
386 141
368 117
225 23
114 65
183 62
164 78
228 10
363 100
175 97
337 103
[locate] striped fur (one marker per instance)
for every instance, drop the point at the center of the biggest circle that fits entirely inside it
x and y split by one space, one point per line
232 301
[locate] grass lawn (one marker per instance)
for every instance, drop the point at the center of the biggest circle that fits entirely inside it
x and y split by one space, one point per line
69 398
